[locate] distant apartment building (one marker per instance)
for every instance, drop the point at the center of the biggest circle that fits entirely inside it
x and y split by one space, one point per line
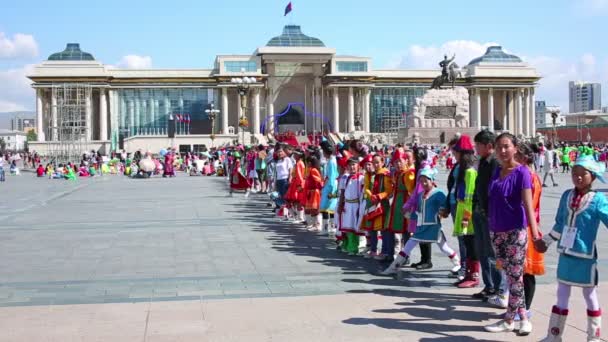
544 117
23 124
585 96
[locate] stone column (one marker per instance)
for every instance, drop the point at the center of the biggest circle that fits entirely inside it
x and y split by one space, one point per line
532 113
138 118
54 128
152 115
132 118
490 109
103 115
526 111
269 111
478 108
505 109
336 111
256 111
88 114
351 110
39 116
366 110
518 112
224 110
239 109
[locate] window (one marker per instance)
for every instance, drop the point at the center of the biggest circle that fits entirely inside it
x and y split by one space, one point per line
351 66
238 66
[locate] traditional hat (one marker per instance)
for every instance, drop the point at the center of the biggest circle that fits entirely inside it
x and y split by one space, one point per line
588 162
343 159
428 172
353 160
464 144
367 159
398 154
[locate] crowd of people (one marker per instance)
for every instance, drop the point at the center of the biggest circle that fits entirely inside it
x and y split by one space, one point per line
384 203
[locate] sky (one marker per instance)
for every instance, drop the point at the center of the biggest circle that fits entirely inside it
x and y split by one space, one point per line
563 39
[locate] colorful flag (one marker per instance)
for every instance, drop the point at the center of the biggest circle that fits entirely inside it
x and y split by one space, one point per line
287 9
178 117
187 118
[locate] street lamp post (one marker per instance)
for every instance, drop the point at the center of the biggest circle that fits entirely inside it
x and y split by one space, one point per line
242 85
212 114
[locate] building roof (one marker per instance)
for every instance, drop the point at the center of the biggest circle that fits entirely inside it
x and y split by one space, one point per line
495 54
9 132
293 36
72 52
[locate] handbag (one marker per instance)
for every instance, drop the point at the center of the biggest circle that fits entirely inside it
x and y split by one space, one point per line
373 211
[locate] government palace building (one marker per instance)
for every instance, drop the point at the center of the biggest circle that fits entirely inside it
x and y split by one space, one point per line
293 83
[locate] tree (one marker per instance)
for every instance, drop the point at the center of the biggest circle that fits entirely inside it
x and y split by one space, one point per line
2 144
31 135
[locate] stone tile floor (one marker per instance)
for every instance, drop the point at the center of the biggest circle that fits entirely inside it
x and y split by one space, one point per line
111 242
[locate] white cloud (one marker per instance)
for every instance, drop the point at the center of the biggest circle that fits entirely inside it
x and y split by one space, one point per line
428 57
596 5
556 72
135 62
16 92
20 46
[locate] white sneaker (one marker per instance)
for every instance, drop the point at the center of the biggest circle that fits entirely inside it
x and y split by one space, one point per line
500 326
525 327
498 301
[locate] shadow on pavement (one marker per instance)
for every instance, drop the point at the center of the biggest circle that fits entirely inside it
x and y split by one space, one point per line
432 312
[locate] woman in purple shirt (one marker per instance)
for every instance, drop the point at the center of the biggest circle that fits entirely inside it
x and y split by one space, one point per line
510 210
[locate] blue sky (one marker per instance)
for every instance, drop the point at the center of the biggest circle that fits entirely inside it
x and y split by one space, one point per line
563 39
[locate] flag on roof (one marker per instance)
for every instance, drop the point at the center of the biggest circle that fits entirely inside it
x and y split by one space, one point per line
287 9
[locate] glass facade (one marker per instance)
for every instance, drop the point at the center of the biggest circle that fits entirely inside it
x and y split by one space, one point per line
146 111
238 66
351 66
391 106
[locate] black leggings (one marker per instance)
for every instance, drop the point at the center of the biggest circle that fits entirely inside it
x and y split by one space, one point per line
529 289
469 245
425 253
327 216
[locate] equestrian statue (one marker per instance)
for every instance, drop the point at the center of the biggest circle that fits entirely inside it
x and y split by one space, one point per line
449 73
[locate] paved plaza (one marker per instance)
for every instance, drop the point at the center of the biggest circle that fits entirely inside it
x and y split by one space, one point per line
117 259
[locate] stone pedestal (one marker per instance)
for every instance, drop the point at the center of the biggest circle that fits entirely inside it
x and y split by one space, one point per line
437 116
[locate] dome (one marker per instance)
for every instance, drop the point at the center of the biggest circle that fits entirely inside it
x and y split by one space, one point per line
293 36
72 52
495 54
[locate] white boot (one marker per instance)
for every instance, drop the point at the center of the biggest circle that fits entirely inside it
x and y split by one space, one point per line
398 239
319 223
557 322
285 214
362 245
301 218
455 259
308 221
392 269
594 325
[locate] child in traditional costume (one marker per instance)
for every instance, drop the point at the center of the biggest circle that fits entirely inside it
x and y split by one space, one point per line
238 182
295 196
404 182
378 207
329 194
313 186
351 188
366 202
344 175
577 222
40 171
430 202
